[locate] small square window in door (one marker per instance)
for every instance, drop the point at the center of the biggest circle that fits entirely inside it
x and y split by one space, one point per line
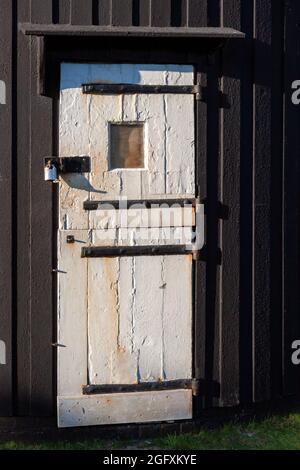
126 145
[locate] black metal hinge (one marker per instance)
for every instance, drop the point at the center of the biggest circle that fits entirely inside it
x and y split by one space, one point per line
186 384
111 88
120 88
118 251
138 204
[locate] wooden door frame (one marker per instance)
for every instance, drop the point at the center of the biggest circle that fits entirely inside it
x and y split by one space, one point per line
126 51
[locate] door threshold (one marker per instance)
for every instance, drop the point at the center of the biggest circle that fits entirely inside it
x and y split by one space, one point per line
118 408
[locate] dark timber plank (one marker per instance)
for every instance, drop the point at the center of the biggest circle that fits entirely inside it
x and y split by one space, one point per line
160 13
230 199
64 11
104 12
144 12
246 216
41 320
82 12
277 199
6 362
200 266
291 198
179 12
42 15
262 190
197 13
197 17
212 347
41 70
121 12
22 222
130 31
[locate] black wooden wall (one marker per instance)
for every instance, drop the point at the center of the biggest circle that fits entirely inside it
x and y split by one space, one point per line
249 142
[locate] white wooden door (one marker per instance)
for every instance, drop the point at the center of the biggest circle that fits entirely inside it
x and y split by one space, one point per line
125 319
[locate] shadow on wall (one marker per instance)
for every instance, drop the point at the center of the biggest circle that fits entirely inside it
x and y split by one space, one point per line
79 181
75 74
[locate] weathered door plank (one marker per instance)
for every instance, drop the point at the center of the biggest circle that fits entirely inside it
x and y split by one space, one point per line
72 315
142 236
139 314
124 408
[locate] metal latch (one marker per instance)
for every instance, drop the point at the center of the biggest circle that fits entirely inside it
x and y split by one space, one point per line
53 166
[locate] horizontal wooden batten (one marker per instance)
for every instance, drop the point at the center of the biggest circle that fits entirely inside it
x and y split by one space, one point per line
109 88
120 236
186 384
114 251
140 204
163 217
115 31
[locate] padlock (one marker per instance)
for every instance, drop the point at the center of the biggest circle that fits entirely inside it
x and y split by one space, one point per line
50 171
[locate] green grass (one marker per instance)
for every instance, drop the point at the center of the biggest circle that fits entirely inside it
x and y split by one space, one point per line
274 433
83 445
280 433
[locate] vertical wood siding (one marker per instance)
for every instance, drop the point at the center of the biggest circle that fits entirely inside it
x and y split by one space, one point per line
41 223
197 13
248 150
276 215
213 246
81 12
291 197
6 140
261 200
34 259
230 191
246 216
22 203
62 11
122 12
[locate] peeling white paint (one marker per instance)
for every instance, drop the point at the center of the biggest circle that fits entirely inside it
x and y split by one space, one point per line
124 320
168 145
72 323
132 321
